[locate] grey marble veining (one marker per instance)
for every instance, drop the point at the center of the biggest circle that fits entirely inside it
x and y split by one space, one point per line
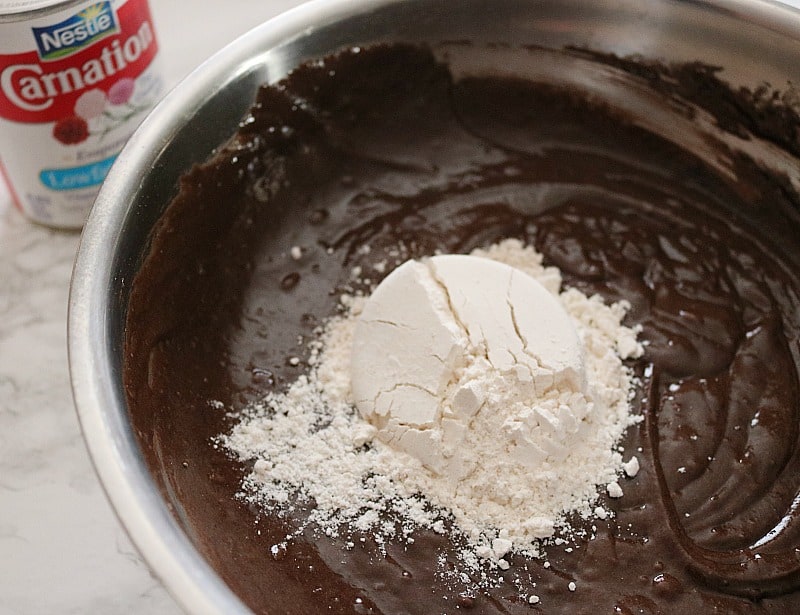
61 548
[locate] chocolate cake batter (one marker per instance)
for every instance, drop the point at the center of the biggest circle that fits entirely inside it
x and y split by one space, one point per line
385 148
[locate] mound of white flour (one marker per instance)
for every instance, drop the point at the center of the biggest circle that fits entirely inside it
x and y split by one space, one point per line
311 445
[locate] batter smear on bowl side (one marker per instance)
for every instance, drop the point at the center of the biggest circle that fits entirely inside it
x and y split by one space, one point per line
659 220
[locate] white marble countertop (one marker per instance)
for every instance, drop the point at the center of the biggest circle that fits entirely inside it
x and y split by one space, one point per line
62 550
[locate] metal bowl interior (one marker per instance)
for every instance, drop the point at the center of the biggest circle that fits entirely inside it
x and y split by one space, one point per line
753 41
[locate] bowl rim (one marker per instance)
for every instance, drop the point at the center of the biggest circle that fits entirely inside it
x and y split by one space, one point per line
131 490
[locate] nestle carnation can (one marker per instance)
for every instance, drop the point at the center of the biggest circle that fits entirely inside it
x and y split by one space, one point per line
76 78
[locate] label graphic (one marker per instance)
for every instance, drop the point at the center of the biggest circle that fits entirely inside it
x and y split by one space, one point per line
74 178
74 84
32 92
93 23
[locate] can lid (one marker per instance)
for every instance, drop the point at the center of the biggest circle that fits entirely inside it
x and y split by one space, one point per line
18 7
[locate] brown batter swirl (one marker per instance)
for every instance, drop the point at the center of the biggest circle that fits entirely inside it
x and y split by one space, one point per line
384 148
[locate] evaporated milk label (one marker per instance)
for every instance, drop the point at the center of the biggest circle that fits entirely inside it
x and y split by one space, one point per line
73 87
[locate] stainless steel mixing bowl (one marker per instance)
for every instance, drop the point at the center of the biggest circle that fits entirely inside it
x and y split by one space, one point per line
752 40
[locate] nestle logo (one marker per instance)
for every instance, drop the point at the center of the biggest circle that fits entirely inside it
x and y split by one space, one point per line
88 26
